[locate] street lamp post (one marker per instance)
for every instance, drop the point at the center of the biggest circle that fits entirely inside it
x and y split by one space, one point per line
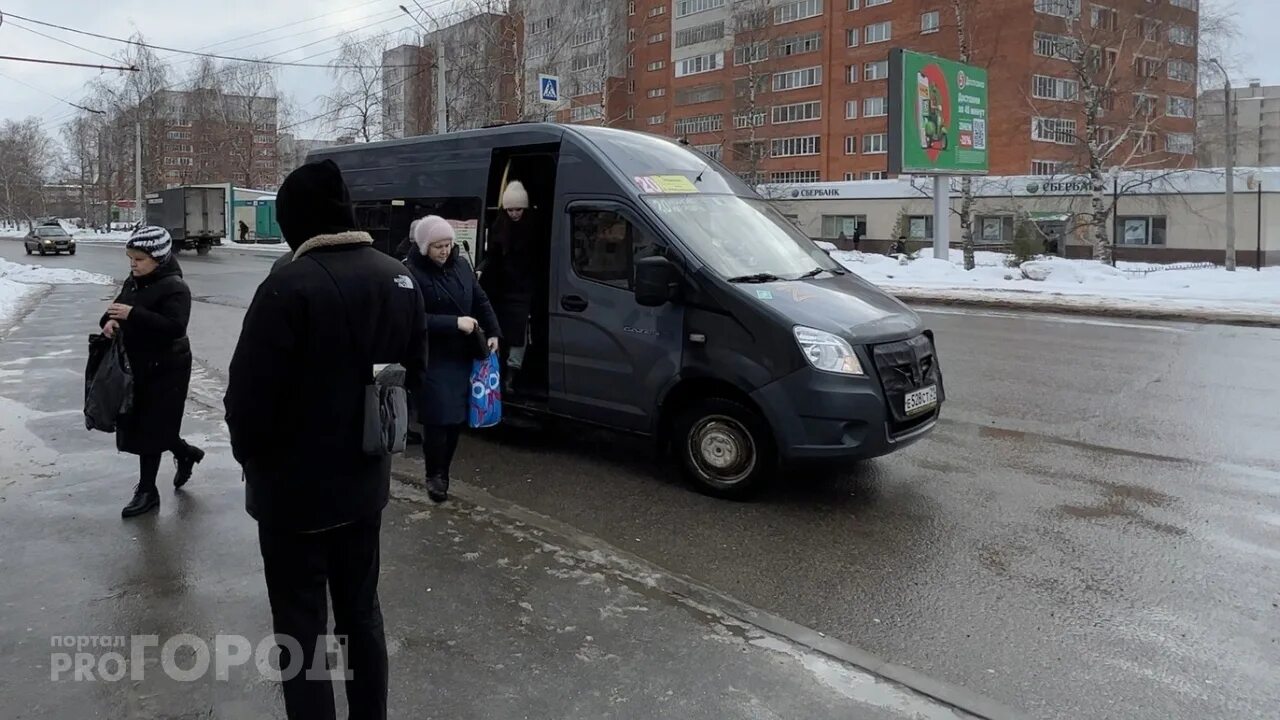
1229 107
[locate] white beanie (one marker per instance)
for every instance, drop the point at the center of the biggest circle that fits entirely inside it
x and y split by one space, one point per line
152 240
430 229
515 196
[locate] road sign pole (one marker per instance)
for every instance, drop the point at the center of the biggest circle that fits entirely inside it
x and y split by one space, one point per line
941 217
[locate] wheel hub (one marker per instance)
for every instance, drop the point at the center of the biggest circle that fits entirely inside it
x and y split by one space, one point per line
723 449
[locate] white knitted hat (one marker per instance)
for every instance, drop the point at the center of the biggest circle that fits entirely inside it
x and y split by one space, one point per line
515 196
429 229
152 240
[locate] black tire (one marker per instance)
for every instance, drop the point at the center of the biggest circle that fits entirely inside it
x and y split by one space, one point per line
202 250
71 252
42 252
725 448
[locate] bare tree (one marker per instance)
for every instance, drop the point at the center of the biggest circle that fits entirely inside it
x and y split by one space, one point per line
248 110
80 138
1105 107
753 61
1219 41
964 9
26 157
356 99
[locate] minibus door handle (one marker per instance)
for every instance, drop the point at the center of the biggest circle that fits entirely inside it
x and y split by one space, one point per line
573 303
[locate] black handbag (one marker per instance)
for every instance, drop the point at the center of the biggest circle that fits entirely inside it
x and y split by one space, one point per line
108 383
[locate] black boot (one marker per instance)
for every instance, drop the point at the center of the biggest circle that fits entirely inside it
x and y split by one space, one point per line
144 501
186 464
438 488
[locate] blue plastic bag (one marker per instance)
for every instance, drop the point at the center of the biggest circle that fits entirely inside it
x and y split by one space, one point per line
485 406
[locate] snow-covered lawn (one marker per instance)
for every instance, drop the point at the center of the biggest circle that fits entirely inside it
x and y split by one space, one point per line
1075 283
17 282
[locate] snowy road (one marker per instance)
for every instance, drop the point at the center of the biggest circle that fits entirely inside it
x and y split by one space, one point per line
1091 532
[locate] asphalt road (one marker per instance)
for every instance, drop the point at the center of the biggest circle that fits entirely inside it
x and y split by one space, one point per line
1092 531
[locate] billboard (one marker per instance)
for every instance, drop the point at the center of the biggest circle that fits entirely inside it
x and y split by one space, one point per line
937 115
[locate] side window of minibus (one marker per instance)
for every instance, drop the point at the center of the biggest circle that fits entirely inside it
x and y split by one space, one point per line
606 246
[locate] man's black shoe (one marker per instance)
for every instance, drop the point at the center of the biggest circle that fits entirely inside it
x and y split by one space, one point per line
185 466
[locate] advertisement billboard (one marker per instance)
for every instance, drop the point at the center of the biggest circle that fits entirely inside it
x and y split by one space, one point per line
937 115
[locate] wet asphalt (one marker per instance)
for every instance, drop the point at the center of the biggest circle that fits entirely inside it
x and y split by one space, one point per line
1092 531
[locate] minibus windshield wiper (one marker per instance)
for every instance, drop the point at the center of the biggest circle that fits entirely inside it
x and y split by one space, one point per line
818 271
756 278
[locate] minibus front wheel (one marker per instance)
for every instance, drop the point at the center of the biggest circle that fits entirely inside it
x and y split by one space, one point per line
725 447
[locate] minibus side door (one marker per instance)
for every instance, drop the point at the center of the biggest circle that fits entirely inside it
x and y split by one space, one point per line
616 354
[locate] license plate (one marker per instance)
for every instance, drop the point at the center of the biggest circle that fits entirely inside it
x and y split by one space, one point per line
918 401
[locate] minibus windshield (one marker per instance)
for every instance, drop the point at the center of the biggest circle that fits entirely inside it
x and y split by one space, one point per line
742 239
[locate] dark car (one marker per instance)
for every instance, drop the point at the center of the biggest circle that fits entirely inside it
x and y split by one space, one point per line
47 239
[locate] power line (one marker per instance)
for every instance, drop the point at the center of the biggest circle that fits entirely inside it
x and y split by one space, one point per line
288 25
64 42
213 56
74 64
45 92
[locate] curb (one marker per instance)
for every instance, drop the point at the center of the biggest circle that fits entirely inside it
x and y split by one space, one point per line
1038 305
624 562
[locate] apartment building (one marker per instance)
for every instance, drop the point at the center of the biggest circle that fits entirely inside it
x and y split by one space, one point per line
584 43
1255 111
203 136
406 84
797 91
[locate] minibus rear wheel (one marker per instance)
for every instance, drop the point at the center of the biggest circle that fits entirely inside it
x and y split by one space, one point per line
725 448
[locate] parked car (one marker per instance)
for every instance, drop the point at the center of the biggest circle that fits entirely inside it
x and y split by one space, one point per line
46 239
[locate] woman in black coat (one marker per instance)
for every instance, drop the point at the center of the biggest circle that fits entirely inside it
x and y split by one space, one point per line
151 313
510 272
456 308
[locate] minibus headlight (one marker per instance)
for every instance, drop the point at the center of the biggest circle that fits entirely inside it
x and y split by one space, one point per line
827 352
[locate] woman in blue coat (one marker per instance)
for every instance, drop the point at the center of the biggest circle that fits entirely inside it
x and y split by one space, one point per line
456 308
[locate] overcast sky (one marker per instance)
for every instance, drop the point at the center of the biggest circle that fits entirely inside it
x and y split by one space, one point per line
223 24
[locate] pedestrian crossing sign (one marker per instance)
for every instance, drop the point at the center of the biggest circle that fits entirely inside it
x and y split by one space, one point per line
549 88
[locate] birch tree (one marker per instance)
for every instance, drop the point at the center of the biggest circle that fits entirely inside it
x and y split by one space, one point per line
753 59
26 158
355 102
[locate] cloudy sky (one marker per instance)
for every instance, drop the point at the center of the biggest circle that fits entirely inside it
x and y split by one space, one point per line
236 27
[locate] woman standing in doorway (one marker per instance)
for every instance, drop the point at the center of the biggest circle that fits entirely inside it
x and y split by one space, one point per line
456 309
152 311
509 270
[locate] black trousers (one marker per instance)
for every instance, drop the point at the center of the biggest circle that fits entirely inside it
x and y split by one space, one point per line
439 443
149 465
298 566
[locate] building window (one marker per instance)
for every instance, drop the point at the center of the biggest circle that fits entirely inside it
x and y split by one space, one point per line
657 10
1045 167
874 3
1182 35
1060 47
631 7
875 175
1144 105
699 64
1146 67
794 146
1051 88
875 144
584 113
878 32
797 10
586 61
689 7
1147 143
850 176
853 4
795 176
631 35
179 135
851 110
930 22
656 38
587 36
1180 143
1150 29
919 227
800 44
1181 70
807 77
798 112
875 107
712 151
750 19
657 119
1055 130
995 229
1181 107
877 70
701 33
850 144
589 86
699 124
743 121
605 246
851 36
656 65
699 94
1104 18
1140 230
753 53
1185 4
851 74
1104 136
631 87
847 225
657 92
1060 8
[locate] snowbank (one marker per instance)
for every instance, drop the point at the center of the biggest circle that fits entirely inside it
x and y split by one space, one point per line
1080 283
19 282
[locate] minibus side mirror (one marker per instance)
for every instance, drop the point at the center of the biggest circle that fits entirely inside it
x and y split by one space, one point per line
656 281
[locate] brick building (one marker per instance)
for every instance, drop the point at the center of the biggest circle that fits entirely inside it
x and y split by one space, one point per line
796 90
204 136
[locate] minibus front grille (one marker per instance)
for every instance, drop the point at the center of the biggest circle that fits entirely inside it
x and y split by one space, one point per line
903 367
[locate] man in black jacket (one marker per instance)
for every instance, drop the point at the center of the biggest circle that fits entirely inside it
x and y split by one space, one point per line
295 410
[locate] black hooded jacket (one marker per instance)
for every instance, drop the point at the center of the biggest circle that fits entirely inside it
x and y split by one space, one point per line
295 400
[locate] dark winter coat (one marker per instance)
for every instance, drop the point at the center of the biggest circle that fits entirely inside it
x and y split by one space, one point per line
511 272
295 397
448 292
155 340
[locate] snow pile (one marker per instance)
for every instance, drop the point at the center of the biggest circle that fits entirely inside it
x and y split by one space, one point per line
1082 283
19 282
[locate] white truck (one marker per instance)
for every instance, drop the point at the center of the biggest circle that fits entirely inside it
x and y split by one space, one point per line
196 217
